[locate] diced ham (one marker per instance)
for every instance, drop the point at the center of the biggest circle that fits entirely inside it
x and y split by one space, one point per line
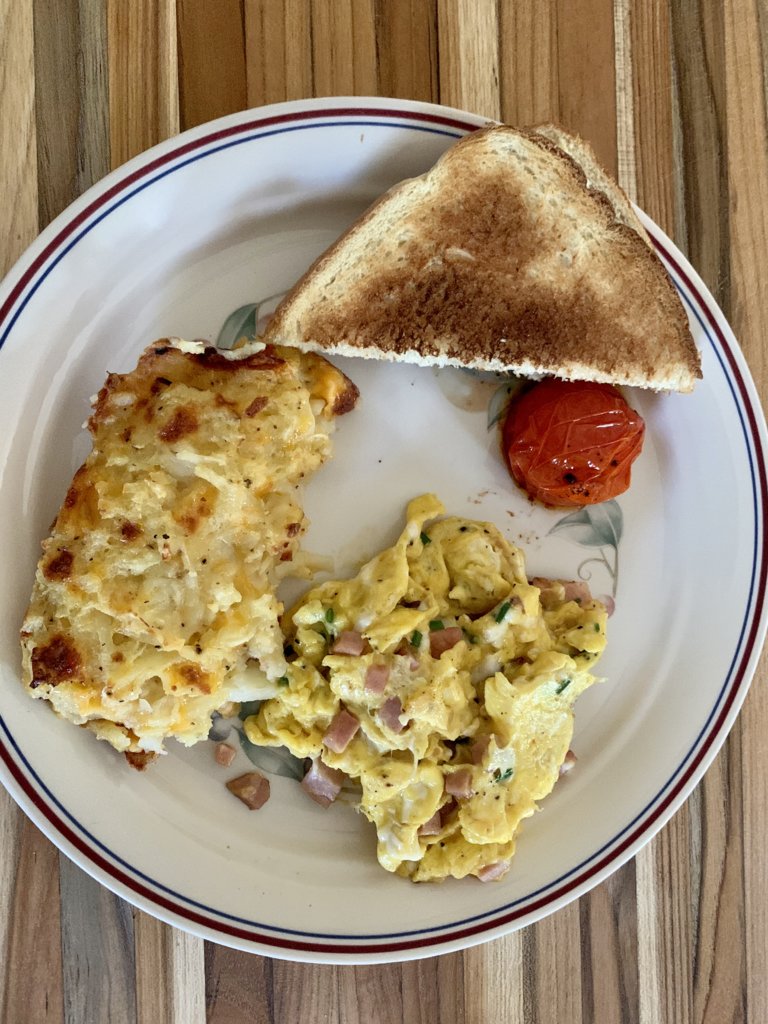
340 732
569 762
407 650
542 582
442 640
459 783
349 641
252 788
376 678
573 590
224 754
390 712
479 748
322 784
491 872
433 826
439 819
447 810
576 591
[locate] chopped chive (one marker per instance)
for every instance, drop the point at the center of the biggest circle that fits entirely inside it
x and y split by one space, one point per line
470 637
597 627
501 613
329 615
416 639
436 624
561 686
282 681
425 538
503 776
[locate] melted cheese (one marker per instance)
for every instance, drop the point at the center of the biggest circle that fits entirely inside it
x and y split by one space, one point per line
154 602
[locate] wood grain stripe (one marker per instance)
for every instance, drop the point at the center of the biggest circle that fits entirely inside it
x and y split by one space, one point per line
586 74
697 44
306 992
211 56
238 987
18 152
552 968
10 822
666 923
468 37
373 994
71 101
406 49
96 950
528 62
719 958
494 981
652 105
30 935
746 55
609 950
433 990
626 156
170 985
278 51
648 928
34 990
143 75
343 47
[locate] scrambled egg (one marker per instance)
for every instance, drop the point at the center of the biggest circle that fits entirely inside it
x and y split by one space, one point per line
443 682
154 602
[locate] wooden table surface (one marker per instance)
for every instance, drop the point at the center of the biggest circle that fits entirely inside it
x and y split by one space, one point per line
673 97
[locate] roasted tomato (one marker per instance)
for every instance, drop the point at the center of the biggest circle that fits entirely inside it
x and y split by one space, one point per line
571 442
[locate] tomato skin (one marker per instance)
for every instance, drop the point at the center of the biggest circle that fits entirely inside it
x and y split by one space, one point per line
571 442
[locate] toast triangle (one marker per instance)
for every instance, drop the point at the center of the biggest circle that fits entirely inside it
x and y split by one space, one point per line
515 252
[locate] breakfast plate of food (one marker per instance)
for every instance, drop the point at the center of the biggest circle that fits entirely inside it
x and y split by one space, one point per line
401 492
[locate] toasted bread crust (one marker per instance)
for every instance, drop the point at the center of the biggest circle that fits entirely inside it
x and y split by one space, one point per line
505 256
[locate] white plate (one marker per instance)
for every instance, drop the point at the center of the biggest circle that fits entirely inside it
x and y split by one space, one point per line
170 244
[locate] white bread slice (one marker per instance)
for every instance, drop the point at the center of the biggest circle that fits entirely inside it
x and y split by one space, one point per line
515 252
